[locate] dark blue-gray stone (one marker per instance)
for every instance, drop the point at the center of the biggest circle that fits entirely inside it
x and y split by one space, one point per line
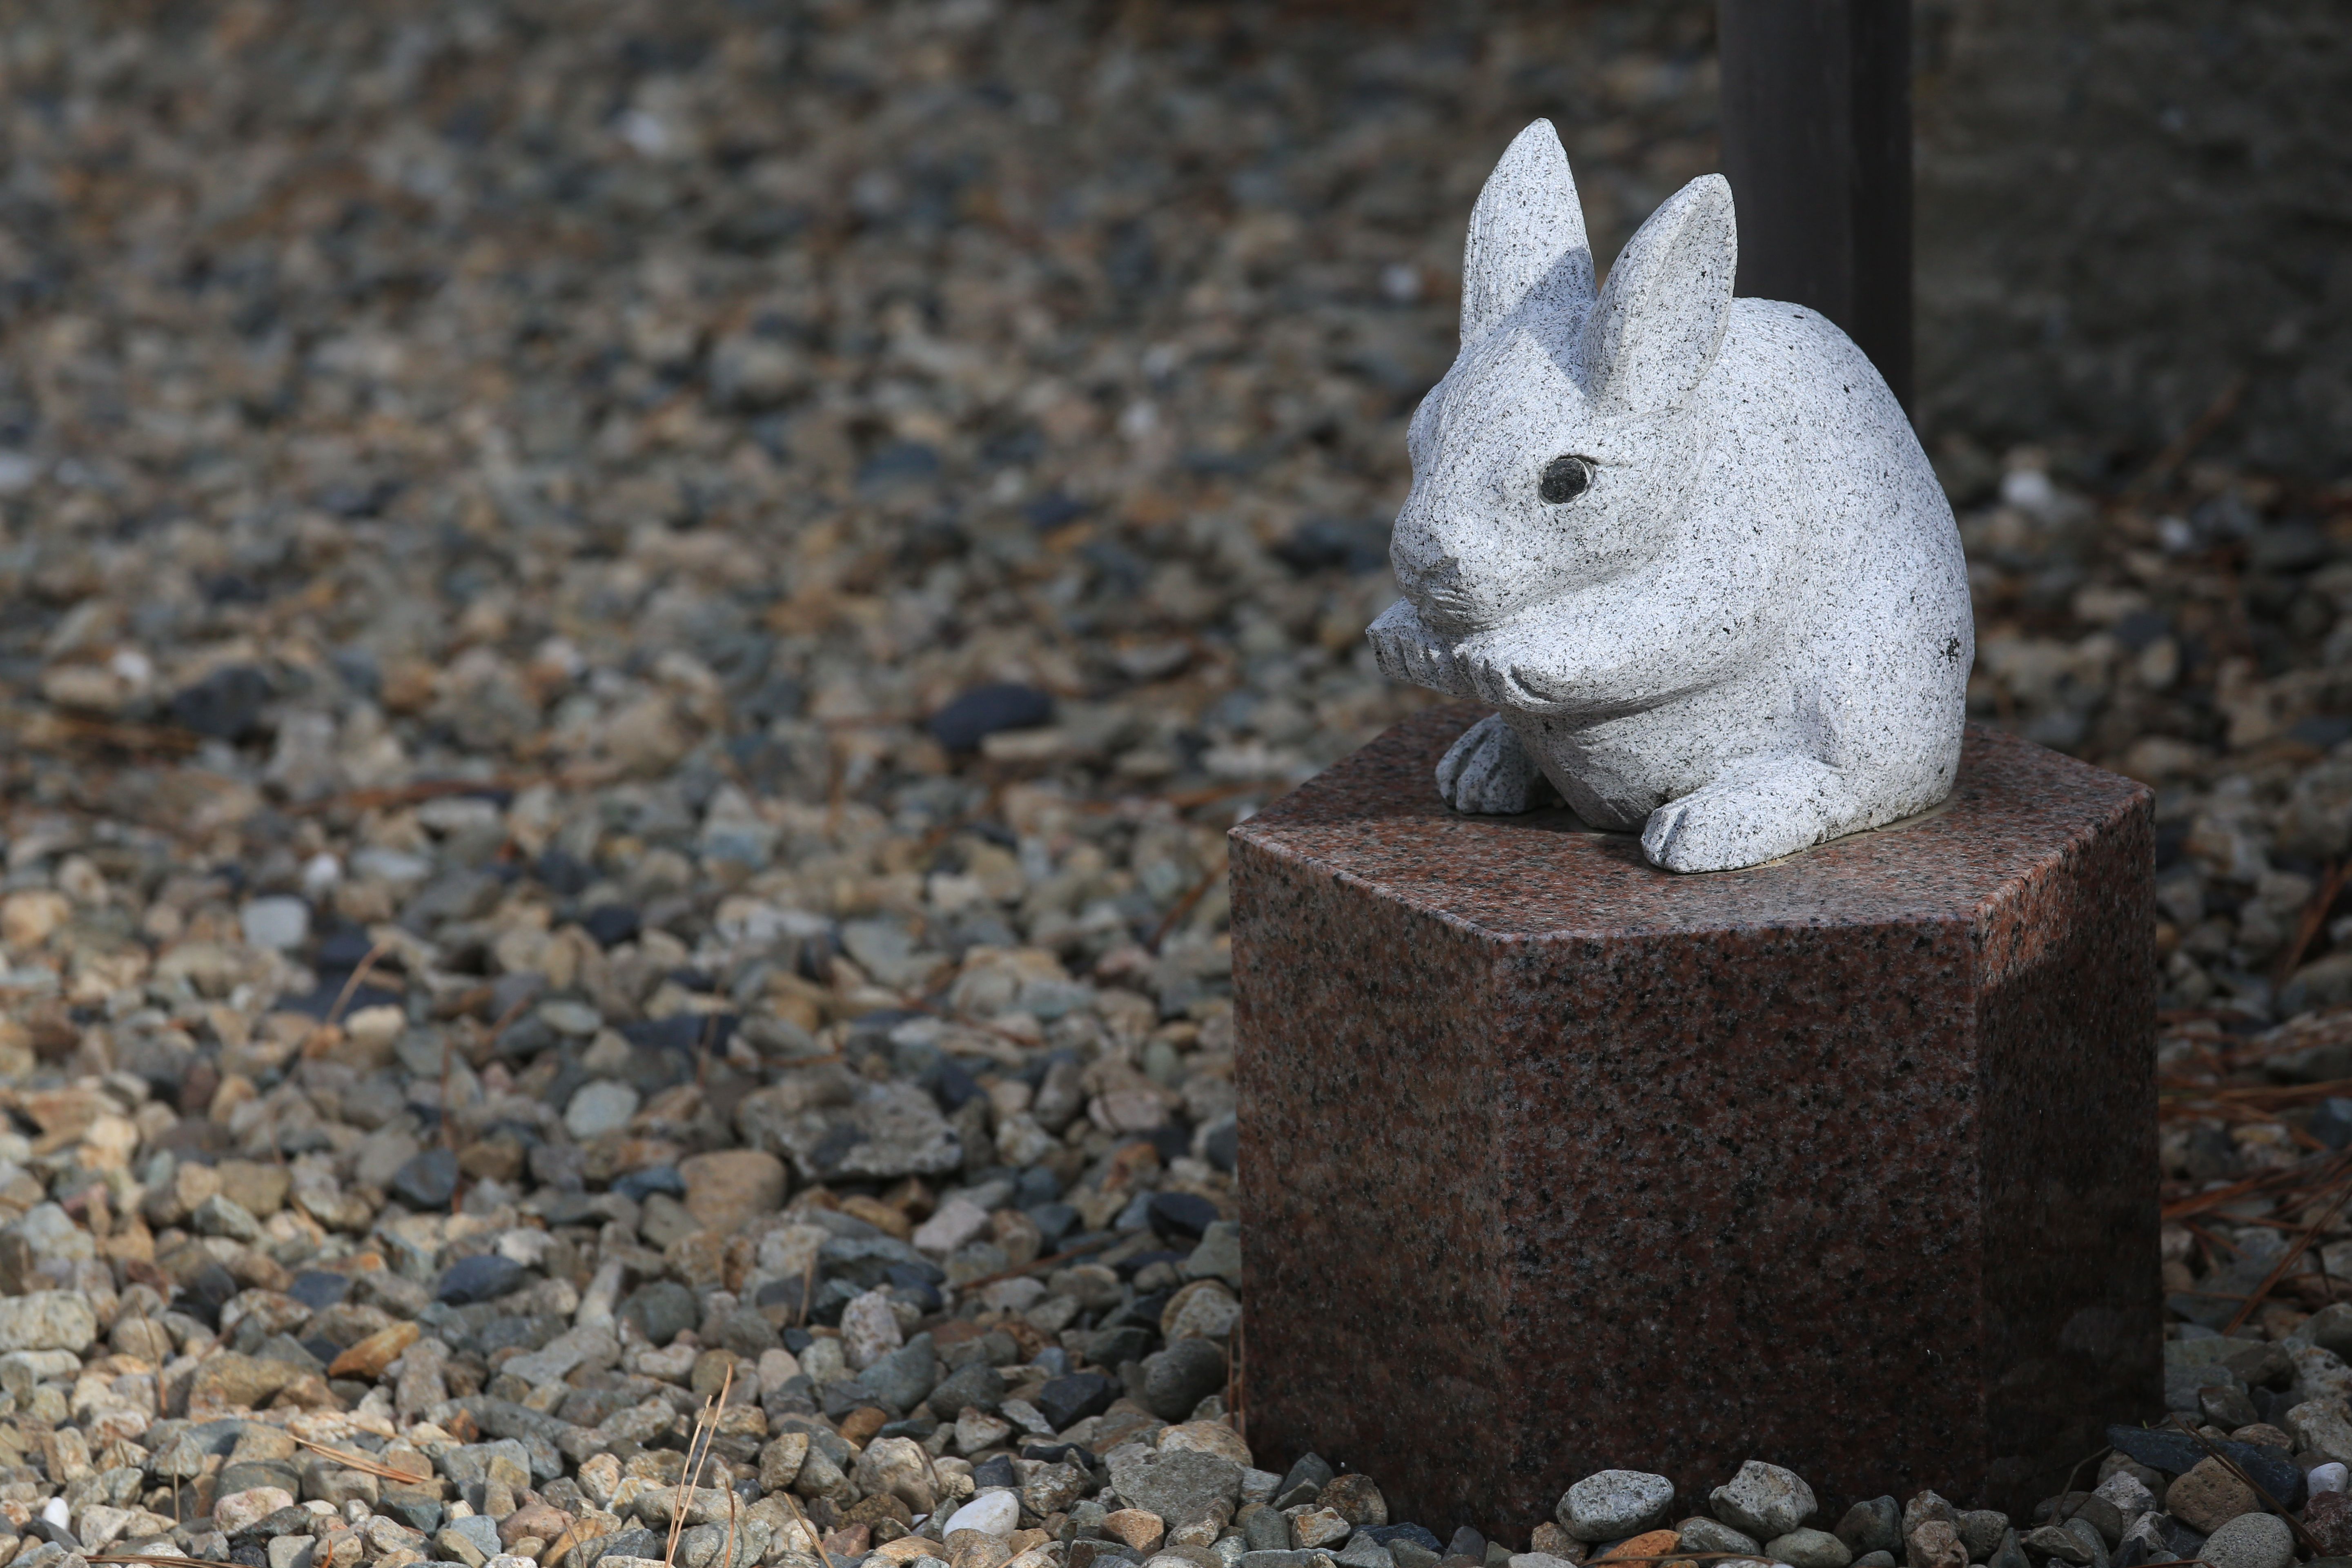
625 1543
1178 1378
663 1309
974 1383
1182 1215
1389 1534
224 705
1064 1402
1304 1481
428 1181
983 710
318 1289
905 1378
484 1277
412 1508
2177 1453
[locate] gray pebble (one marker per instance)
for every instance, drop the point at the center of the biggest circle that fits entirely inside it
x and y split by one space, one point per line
1875 1525
1808 1549
2252 1540
1763 1500
1700 1533
1980 1531
1612 1504
600 1107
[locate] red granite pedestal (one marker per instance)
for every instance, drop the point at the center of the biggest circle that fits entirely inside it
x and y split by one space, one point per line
1555 1161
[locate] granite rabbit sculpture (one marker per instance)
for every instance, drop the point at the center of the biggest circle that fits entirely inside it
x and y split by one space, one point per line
1686 545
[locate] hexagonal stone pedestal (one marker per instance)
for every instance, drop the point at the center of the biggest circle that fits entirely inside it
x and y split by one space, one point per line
1555 1161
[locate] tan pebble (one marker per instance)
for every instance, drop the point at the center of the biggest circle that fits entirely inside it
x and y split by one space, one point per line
375 1028
238 1509
1136 1528
368 1357
582 1530
28 918
260 1190
879 1214
726 1188
1318 1527
863 1422
1935 1544
543 1520
1200 1532
1203 1310
2208 1497
1551 1540
1208 1438
1355 1499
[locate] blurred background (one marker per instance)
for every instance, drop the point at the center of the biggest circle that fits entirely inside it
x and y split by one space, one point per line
579 495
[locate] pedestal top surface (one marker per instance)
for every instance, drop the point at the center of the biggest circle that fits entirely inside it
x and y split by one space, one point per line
1375 817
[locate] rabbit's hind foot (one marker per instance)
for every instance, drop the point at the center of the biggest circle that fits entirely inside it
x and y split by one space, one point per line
1489 772
1771 807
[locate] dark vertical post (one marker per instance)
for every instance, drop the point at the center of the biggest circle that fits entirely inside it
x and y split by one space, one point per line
1817 145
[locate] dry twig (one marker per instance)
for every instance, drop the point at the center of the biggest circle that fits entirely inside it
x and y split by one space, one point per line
1184 906
2342 1179
2315 915
2200 431
706 1429
366 967
363 1464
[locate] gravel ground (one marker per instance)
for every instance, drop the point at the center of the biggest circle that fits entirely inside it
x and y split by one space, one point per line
631 632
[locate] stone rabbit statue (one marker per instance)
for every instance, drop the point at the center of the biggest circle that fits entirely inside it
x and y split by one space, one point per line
1687 545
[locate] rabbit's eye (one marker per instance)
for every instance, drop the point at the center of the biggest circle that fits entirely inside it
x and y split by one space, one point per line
1564 479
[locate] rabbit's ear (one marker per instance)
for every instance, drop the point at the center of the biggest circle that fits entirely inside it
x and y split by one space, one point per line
1526 234
1668 298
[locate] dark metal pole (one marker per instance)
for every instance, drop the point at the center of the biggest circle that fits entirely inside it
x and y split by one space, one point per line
1817 145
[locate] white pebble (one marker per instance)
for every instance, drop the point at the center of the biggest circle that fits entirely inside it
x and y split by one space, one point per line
992 1512
320 872
276 922
599 1107
2328 1478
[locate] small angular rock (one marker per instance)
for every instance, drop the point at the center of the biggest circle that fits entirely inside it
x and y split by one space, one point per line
1763 1500
1613 1504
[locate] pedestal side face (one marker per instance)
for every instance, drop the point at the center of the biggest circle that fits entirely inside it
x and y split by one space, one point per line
1369 1135
1742 1193
2066 1023
1553 1161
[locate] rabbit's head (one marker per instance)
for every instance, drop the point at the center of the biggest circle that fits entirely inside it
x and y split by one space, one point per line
1555 452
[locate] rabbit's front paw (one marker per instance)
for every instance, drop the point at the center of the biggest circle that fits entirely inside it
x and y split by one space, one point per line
1489 772
1775 808
1504 666
1407 650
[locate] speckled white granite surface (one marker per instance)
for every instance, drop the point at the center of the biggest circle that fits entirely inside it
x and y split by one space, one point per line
1686 545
